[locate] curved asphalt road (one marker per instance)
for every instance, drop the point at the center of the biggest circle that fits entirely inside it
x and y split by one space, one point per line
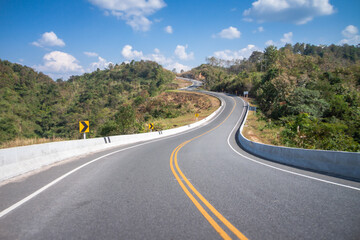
206 188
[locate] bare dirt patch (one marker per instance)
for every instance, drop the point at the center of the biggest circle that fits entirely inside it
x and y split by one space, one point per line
258 130
182 83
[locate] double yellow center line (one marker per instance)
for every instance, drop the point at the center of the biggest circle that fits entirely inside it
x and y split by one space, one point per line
214 224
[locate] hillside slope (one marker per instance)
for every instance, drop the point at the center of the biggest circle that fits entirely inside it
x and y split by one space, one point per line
33 105
122 99
311 92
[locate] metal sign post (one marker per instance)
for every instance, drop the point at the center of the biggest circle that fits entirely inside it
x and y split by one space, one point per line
84 127
151 126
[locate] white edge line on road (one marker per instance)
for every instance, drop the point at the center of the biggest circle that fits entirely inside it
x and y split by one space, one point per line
280 169
34 194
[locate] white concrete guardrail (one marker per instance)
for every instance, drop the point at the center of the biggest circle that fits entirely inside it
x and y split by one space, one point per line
19 160
337 163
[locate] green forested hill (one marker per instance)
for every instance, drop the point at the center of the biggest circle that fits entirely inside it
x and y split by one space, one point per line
33 105
312 92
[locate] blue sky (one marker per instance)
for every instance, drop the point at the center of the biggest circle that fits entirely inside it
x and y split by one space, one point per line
63 38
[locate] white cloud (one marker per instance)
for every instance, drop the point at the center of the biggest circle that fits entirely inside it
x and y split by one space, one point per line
168 62
130 54
270 42
229 33
350 31
49 39
134 12
101 64
139 23
259 29
295 11
351 35
178 67
351 41
180 52
168 29
248 19
233 55
158 57
58 63
91 54
287 38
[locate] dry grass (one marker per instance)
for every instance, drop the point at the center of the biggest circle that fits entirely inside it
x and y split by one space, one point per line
29 141
177 84
182 83
258 130
202 104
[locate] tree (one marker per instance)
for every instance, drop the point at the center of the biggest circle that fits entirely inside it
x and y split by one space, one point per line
125 120
299 48
339 108
288 46
271 55
308 101
256 57
211 61
111 66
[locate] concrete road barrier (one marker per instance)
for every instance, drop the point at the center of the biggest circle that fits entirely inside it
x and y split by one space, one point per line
342 164
19 160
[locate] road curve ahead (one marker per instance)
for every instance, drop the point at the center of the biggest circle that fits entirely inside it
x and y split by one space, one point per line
195 185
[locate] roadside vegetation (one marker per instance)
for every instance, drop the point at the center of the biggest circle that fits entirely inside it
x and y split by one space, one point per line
180 83
259 128
121 99
17 142
183 106
309 94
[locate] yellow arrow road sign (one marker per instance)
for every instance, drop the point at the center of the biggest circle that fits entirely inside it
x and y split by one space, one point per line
151 126
196 115
84 126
